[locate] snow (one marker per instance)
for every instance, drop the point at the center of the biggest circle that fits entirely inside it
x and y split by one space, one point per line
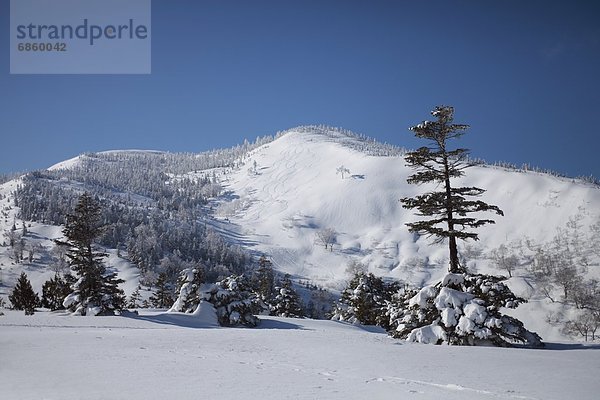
430 334
66 164
453 279
451 298
423 296
157 356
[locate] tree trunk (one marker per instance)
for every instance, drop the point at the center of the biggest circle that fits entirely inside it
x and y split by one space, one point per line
454 263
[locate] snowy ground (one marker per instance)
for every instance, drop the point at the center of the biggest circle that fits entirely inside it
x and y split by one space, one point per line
157 356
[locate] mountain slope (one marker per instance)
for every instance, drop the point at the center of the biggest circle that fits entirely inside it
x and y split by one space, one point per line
273 197
296 191
292 190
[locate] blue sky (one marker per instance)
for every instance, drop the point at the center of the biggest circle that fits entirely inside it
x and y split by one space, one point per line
523 74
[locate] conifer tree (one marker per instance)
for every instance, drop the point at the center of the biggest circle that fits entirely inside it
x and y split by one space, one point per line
364 300
162 296
135 298
235 302
188 288
23 297
95 291
55 290
264 279
462 308
286 302
449 208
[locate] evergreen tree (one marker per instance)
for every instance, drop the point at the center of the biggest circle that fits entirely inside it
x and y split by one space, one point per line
264 280
95 291
162 296
450 207
135 298
286 302
364 300
462 309
55 290
235 302
23 297
190 282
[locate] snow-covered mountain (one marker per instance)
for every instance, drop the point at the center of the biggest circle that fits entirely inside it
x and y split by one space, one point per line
278 196
292 189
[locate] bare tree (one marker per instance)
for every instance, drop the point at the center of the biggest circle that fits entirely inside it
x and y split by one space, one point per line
327 237
355 267
341 170
585 324
504 259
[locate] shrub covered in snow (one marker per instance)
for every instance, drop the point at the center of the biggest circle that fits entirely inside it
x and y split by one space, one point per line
365 299
462 309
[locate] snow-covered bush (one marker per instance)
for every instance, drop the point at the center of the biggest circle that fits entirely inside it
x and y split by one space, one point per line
364 301
462 309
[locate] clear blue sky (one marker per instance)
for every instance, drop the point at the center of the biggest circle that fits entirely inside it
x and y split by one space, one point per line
523 74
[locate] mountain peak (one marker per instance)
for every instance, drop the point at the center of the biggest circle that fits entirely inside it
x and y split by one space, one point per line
345 137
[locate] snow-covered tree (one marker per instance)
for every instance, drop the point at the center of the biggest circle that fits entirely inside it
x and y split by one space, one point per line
23 297
189 290
234 301
365 299
462 309
96 290
448 209
286 302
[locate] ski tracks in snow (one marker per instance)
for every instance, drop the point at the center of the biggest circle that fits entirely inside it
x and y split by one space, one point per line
447 390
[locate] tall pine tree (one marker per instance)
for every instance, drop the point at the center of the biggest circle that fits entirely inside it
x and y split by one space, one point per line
448 209
462 308
96 291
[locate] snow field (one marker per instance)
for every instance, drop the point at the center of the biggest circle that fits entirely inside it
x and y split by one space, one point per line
157 356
